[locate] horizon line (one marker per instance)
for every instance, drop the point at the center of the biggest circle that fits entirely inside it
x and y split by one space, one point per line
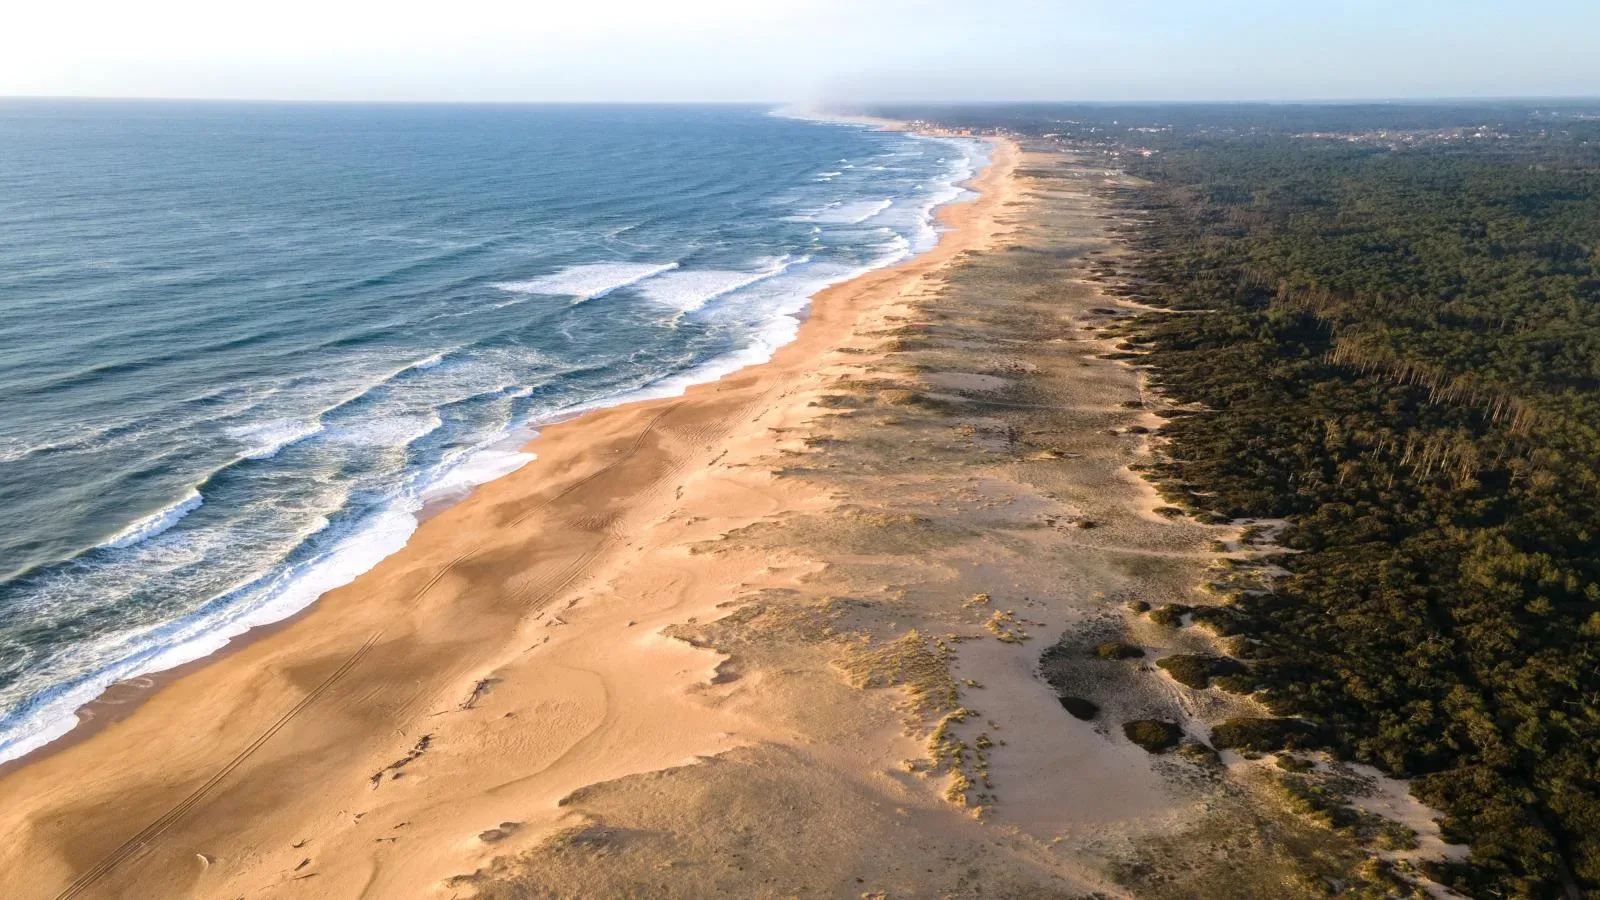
1300 101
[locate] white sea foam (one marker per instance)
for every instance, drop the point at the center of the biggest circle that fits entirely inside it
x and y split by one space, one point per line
53 713
389 431
853 213
149 526
430 362
588 282
265 439
273 598
691 289
481 467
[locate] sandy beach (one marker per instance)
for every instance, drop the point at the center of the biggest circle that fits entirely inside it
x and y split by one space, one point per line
800 632
511 654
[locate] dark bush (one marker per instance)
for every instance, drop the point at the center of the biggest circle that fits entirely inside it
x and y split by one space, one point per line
1197 671
1219 620
1153 735
1265 735
1118 650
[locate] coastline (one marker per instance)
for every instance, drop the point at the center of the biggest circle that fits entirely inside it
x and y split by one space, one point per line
179 738
115 699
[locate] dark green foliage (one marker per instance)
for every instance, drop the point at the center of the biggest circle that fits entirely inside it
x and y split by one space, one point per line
1118 650
1080 708
1197 671
1265 735
1138 606
1391 337
1399 352
1219 620
1153 735
1243 683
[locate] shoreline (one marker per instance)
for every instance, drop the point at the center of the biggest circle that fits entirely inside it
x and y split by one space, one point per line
121 698
290 644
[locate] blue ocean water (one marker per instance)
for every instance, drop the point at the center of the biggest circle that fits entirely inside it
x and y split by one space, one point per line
241 346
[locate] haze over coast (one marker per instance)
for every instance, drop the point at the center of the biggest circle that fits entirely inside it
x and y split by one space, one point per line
1059 451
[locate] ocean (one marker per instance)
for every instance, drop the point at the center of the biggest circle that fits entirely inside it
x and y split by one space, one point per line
243 345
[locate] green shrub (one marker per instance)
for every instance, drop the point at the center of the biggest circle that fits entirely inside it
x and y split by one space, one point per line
1153 735
1219 620
1265 735
1118 650
1197 671
1243 683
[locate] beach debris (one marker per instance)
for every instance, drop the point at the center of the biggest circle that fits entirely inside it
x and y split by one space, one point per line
205 861
421 747
478 690
303 863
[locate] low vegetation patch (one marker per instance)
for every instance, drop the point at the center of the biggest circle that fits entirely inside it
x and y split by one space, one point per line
1170 614
1259 735
1118 650
909 662
1154 735
1197 671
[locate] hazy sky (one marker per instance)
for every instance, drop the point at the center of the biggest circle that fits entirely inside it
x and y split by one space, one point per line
807 50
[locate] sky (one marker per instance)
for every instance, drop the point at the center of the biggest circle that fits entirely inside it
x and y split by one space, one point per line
818 51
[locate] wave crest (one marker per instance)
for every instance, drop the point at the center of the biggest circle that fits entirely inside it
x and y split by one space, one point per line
146 527
588 282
